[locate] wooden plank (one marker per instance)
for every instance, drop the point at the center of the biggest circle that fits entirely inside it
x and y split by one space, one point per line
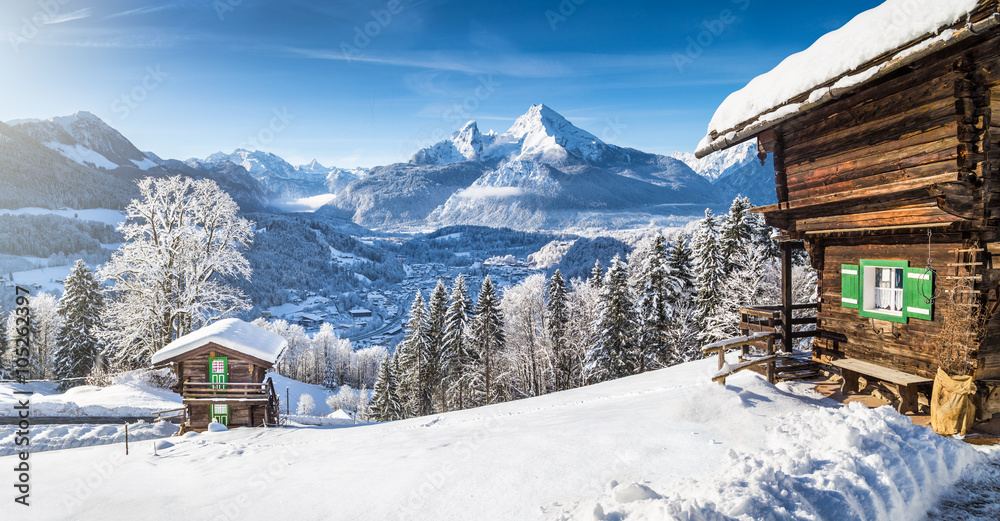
735 368
880 372
722 345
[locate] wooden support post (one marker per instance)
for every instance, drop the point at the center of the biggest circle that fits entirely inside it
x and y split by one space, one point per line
722 362
907 398
786 296
850 381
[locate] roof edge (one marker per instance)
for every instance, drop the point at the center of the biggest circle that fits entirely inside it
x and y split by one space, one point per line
740 134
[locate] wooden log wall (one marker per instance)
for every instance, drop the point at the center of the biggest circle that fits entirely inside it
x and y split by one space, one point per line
196 369
910 150
918 348
240 415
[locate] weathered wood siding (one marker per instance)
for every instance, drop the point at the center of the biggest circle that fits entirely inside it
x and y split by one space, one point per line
196 368
917 350
866 176
240 415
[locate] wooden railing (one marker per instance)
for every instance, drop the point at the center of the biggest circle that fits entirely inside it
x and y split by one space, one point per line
272 411
761 327
229 391
171 414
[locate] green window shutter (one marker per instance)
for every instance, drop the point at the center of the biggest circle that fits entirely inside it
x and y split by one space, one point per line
849 291
918 287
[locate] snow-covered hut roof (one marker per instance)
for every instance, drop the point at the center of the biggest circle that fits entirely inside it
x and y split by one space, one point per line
231 333
873 44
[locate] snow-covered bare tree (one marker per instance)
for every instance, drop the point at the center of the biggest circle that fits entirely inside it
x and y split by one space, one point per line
753 281
184 242
614 354
80 308
306 405
45 326
581 329
528 363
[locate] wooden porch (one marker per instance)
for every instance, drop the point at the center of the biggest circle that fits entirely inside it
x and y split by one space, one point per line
771 331
237 394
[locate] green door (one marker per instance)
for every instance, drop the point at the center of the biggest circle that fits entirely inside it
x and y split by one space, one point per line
219 372
220 413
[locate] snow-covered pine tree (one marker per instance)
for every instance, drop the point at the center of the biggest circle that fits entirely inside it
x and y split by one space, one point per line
437 310
455 354
707 267
487 341
681 270
556 323
414 358
736 232
385 403
174 272
614 354
596 275
653 290
80 308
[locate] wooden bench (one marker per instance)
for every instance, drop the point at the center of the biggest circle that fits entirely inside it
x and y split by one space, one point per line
906 383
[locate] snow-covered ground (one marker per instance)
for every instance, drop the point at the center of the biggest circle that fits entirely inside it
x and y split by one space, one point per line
57 437
130 395
50 279
102 215
663 445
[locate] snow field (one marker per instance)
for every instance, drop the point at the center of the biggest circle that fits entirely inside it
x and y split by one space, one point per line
666 444
130 395
57 437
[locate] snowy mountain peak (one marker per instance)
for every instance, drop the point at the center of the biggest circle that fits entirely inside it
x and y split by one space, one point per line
546 135
86 139
468 141
540 134
720 164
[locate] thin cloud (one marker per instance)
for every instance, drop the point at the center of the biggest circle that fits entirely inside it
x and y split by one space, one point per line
145 10
68 17
518 66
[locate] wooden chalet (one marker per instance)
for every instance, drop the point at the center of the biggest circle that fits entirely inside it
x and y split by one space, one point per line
888 173
222 374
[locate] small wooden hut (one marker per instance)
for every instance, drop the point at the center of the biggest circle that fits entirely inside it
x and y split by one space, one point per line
885 136
222 374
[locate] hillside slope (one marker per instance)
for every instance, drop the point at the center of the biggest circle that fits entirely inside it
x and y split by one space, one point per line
663 445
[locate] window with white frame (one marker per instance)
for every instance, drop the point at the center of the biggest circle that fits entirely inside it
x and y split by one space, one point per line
883 291
887 289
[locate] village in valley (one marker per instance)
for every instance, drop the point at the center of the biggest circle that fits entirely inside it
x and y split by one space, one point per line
800 319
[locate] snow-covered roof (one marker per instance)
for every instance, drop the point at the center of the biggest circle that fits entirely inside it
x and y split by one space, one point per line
856 53
231 333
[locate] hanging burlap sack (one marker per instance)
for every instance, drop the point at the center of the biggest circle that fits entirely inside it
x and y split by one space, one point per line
952 410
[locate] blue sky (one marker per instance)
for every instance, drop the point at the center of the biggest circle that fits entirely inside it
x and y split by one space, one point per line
368 82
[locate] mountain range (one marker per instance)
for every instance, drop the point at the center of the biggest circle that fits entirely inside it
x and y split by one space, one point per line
542 172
